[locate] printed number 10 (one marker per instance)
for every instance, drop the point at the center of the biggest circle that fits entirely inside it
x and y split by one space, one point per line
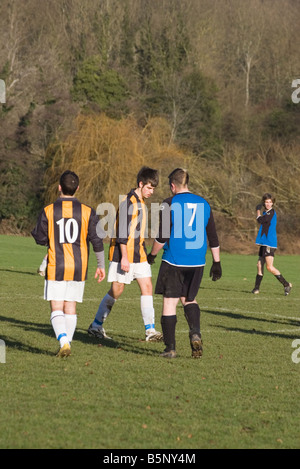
68 230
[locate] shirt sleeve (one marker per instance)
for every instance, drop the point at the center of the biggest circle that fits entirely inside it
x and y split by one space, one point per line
212 232
266 218
95 234
165 222
100 259
124 219
40 231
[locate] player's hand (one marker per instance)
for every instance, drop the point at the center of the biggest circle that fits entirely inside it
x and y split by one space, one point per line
216 271
151 259
125 264
100 274
259 207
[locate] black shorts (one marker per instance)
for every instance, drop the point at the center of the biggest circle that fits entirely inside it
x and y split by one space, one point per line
265 251
175 282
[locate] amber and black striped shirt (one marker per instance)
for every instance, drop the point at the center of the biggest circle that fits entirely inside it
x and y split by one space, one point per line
130 229
66 227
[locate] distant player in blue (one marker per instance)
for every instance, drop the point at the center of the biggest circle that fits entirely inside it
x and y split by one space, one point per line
267 240
186 222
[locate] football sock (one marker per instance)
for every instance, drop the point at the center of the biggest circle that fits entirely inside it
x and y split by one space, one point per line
58 322
258 281
192 315
71 322
168 324
282 280
103 310
148 313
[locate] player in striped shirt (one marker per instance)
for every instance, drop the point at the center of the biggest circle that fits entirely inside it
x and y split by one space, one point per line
67 227
128 256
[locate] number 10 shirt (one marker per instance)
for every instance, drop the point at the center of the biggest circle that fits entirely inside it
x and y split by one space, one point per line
66 227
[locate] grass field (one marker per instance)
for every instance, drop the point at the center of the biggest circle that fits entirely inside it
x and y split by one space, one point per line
119 394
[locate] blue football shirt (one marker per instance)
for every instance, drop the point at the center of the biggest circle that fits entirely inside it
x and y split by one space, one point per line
186 222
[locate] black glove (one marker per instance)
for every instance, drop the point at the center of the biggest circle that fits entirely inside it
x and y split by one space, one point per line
151 259
259 207
216 271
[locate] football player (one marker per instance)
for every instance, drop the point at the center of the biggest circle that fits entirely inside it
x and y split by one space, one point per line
267 240
186 221
67 227
128 257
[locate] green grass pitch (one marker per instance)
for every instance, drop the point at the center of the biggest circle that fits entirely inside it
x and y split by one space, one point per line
243 393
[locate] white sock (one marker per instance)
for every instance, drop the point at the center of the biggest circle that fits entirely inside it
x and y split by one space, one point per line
57 319
71 322
148 313
103 310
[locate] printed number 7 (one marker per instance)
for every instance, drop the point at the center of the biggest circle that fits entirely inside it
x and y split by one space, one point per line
192 207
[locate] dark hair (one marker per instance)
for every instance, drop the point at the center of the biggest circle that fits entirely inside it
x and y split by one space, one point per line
69 182
148 175
267 196
179 177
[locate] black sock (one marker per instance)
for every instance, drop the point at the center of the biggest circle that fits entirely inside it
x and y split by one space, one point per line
168 324
192 315
282 280
258 281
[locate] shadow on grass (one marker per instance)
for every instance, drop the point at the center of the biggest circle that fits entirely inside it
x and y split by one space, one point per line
238 316
121 342
15 344
12 271
262 333
125 343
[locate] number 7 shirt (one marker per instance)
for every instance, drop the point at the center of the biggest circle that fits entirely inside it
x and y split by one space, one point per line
67 227
186 222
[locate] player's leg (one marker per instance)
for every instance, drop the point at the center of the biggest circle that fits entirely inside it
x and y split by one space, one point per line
168 324
192 278
147 309
70 319
260 274
58 322
73 294
118 279
269 264
96 328
192 315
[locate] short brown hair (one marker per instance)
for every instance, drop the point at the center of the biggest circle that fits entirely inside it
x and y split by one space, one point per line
179 177
148 175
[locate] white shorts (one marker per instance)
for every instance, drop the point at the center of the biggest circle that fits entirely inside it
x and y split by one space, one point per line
65 290
138 270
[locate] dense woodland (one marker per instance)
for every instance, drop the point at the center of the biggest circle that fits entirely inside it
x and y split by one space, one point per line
105 86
